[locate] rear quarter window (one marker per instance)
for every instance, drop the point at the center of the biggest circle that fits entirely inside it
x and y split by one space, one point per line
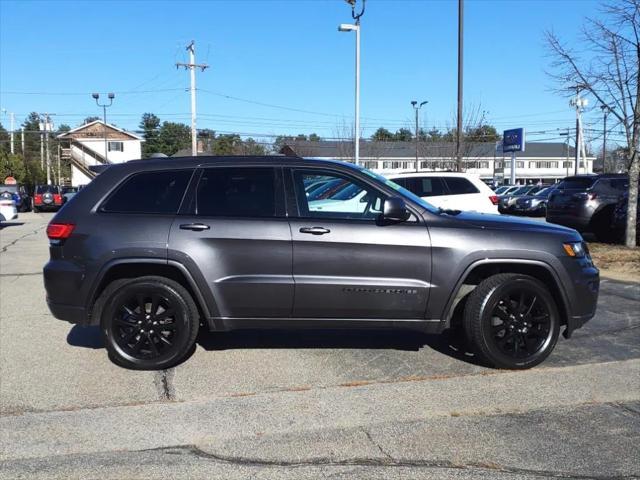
460 186
149 192
428 186
576 183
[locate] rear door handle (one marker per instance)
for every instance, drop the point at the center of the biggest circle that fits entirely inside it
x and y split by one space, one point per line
315 230
197 227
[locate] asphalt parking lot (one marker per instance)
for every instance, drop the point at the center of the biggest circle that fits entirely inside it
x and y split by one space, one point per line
308 404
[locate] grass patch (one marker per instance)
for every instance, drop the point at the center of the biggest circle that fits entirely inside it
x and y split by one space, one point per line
617 259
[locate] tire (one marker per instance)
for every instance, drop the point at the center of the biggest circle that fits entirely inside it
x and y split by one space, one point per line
36 209
512 321
155 339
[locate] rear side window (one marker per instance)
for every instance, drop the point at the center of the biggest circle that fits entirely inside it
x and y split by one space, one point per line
236 192
150 192
576 183
620 183
460 186
427 186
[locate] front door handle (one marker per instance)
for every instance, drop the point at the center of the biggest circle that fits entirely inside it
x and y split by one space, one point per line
197 227
315 230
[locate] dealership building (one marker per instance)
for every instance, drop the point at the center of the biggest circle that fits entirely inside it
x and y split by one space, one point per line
540 162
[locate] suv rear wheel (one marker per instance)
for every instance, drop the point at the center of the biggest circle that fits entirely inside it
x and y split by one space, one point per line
148 323
512 321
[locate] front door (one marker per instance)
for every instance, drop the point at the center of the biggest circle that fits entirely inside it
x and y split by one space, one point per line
236 234
346 264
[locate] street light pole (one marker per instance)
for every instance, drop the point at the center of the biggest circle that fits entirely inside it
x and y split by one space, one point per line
605 110
460 83
104 106
347 27
417 108
12 118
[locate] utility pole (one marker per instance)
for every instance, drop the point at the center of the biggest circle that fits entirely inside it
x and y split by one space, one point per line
47 126
417 108
460 81
191 66
12 118
22 140
578 103
605 110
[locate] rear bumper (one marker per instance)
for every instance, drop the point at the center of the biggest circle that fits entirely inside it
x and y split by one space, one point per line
68 313
574 221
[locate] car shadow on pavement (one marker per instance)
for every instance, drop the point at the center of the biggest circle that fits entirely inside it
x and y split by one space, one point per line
450 342
87 337
10 224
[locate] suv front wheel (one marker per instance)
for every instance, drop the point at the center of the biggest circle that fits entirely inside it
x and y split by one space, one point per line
148 323
512 321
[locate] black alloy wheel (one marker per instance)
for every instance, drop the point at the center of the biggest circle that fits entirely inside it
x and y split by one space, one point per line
512 321
148 323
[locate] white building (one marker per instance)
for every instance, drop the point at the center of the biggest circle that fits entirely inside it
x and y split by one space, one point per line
546 162
87 149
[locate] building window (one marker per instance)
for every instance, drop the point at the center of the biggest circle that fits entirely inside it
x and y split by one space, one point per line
533 165
519 164
115 146
370 164
581 164
567 164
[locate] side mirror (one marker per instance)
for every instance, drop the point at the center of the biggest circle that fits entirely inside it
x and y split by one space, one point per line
395 210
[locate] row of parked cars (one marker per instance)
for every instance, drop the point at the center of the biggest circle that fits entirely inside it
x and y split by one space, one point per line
15 198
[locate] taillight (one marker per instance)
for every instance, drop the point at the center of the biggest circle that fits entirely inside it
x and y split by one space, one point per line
57 198
494 199
37 198
59 231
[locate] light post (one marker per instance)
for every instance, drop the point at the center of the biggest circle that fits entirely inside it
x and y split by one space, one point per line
355 27
417 108
605 110
104 106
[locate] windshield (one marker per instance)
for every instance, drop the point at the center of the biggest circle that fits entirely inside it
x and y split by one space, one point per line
544 192
521 190
499 190
9 188
47 189
402 191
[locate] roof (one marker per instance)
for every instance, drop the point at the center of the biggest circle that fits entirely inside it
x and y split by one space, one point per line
91 127
371 149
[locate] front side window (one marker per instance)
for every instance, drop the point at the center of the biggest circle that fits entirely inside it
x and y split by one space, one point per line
149 192
236 192
460 186
341 197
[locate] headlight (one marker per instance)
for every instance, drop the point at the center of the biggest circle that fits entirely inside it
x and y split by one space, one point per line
575 249
535 202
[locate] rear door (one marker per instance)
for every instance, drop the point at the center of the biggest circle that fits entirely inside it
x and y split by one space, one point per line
345 263
235 234
464 195
432 189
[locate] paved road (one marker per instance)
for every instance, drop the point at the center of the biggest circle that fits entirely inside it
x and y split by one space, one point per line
308 404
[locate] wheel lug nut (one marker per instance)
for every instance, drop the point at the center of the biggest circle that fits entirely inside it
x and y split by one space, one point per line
150 331
139 322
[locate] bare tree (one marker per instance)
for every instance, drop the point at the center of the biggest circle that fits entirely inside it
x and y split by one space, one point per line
611 75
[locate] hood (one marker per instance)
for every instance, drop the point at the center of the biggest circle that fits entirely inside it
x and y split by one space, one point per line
506 222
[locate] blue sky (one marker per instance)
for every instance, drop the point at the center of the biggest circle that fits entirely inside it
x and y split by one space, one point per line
289 54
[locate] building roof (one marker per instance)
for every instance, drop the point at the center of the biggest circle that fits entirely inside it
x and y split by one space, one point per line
341 149
95 129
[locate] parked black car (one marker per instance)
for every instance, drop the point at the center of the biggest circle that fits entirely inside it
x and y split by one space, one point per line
533 205
506 202
17 193
150 249
619 222
587 202
47 197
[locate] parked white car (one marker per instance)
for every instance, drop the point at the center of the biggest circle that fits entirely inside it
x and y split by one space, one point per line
450 190
8 210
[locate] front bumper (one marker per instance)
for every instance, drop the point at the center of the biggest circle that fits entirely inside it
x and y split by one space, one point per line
584 290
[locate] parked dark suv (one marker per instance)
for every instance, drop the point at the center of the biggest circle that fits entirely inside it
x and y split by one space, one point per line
587 202
150 249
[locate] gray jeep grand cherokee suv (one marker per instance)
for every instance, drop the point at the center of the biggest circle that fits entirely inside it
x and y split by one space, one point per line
152 250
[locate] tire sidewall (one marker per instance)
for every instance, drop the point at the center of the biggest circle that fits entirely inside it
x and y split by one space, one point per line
115 300
490 301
